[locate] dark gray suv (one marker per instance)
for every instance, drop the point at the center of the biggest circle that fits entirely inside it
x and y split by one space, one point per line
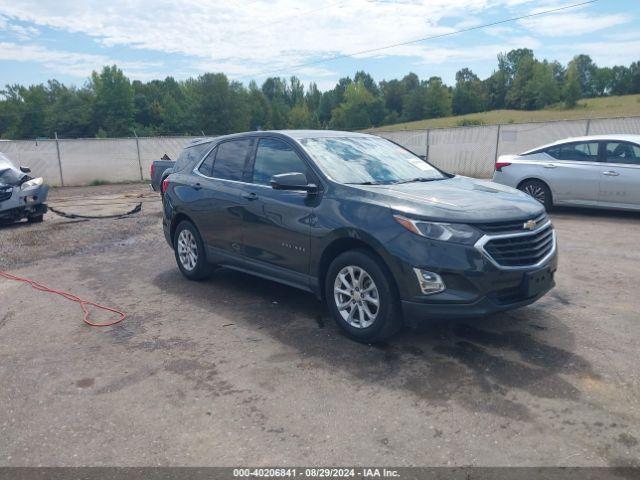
385 238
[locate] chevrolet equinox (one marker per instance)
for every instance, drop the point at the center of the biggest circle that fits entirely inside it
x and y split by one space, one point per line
385 238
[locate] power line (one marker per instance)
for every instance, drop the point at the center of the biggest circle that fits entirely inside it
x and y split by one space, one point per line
423 39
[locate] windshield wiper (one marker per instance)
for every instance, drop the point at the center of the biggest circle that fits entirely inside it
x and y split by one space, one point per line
364 183
417 179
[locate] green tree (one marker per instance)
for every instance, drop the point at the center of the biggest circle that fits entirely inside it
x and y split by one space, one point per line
586 71
69 111
496 88
438 98
468 95
300 117
392 92
571 92
359 110
114 104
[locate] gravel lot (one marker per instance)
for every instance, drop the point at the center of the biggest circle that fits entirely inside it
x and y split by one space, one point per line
237 370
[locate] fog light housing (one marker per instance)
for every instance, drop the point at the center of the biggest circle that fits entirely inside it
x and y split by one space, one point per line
429 282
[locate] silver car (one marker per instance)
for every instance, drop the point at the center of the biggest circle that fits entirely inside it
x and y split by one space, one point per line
21 196
600 171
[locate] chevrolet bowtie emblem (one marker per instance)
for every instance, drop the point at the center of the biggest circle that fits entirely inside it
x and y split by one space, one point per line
529 225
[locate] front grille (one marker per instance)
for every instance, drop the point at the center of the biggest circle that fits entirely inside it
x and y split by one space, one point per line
510 226
5 193
523 250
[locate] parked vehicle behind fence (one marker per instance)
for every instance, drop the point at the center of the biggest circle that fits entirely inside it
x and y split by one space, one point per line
160 170
600 171
383 236
21 196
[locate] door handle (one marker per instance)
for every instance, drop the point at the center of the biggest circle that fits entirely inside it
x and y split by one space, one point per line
197 186
610 173
550 165
250 196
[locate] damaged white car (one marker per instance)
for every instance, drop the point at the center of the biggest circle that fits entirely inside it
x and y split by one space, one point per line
21 196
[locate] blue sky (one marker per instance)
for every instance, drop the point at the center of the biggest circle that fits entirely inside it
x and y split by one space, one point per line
250 39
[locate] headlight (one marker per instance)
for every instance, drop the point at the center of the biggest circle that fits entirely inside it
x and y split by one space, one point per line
36 182
444 232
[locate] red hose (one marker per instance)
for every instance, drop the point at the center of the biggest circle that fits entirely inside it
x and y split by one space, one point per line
71 297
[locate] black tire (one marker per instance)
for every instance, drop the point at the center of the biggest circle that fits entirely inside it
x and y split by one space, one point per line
201 268
538 190
36 218
388 317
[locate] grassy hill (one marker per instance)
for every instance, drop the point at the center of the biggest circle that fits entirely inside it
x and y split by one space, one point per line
623 106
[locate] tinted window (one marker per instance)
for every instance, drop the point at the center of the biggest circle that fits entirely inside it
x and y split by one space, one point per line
622 152
206 166
274 157
190 156
230 159
581 151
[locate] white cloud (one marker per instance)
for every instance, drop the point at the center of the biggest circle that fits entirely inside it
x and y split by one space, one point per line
249 39
488 52
20 32
70 63
252 38
572 24
605 53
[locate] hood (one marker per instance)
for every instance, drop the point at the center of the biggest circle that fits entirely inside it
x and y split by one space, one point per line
457 199
10 176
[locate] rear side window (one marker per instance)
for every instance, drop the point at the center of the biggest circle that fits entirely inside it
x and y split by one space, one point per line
580 151
206 166
191 156
622 152
274 157
230 159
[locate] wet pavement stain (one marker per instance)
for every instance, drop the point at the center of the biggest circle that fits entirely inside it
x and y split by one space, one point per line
85 383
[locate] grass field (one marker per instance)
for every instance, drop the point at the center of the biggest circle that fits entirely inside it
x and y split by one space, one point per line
623 106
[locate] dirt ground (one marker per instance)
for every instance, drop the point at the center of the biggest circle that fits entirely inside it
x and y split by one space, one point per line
241 371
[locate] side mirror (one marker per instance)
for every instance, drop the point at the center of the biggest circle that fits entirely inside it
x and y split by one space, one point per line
25 169
293 181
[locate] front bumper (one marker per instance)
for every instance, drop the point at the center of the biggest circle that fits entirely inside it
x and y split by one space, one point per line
416 313
475 285
24 203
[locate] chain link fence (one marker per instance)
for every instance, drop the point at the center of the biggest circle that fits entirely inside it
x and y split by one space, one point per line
468 151
473 151
87 160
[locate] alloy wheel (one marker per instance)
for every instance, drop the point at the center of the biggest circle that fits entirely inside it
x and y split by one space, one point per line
536 191
187 250
356 296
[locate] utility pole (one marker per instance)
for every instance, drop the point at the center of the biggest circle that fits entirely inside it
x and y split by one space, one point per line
139 160
59 159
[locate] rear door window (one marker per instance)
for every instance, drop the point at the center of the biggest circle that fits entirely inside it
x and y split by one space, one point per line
206 166
622 152
579 151
231 158
274 157
190 156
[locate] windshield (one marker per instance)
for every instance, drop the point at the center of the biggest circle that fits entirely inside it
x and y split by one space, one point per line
367 160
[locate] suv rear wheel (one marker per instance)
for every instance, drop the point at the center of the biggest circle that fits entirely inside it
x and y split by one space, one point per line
190 253
361 298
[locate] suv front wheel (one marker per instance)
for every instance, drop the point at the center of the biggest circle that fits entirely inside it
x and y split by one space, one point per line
361 297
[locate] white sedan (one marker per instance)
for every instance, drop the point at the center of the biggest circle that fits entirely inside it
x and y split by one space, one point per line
600 171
